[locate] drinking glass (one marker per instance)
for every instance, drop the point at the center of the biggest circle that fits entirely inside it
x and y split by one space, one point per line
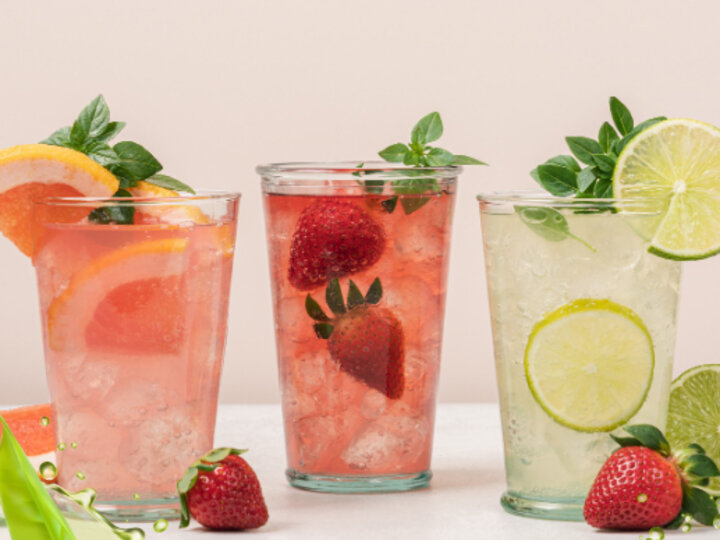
134 324
574 296
358 263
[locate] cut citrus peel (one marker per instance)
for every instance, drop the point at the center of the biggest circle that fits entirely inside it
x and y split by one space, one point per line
32 171
675 162
152 269
34 435
589 364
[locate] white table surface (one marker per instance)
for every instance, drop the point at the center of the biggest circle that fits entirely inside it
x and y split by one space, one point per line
462 502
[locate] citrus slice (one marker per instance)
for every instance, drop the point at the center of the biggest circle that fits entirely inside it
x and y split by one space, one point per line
694 413
125 302
589 364
166 213
31 171
677 164
34 435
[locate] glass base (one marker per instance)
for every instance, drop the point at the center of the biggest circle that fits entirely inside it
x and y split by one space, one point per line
358 484
557 509
144 510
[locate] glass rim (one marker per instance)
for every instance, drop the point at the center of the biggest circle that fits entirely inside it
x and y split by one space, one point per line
543 198
339 171
180 199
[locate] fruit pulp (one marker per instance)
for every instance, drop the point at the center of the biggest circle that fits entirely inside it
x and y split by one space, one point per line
134 322
550 467
341 434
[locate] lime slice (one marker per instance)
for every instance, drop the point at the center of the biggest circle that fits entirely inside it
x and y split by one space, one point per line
675 163
589 364
694 413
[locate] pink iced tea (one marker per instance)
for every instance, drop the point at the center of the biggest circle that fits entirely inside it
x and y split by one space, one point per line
134 320
358 405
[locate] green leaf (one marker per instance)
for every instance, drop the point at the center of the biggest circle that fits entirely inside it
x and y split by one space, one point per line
651 437
411 158
334 297
110 131
428 129
621 116
557 179
135 160
696 448
95 117
29 510
603 189
583 148
415 186
355 298
314 310
390 204
604 163
168 182
585 178
216 455
413 204
395 153
101 152
566 161
373 186
701 465
439 157
461 159
188 480
547 223
626 441
78 135
606 136
374 293
675 523
120 214
61 137
698 503
323 330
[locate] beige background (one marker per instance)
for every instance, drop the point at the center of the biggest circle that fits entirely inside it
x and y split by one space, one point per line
215 87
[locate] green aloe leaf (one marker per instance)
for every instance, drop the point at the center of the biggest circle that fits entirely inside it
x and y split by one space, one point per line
29 510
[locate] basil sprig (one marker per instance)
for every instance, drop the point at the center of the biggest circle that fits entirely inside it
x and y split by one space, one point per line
129 161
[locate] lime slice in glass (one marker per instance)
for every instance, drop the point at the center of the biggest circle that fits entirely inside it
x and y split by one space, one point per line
589 364
694 413
675 163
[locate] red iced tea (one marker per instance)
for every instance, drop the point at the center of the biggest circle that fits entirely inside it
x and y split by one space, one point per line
359 376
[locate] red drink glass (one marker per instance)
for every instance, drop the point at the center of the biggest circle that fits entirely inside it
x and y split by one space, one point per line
134 323
358 262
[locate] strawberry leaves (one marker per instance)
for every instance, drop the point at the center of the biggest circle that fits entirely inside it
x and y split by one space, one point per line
336 303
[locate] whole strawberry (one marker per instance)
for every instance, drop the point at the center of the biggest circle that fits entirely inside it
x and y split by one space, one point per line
644 485
221 491
365 340
332 238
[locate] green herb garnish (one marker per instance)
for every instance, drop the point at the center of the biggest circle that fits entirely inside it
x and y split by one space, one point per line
548 223
563 176
129 161
420 154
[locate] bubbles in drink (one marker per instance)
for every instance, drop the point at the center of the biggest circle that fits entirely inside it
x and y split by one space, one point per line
45 421
160 525
47 470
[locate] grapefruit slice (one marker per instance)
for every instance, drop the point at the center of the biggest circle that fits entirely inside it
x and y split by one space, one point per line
31 171
125 302
171 214
35 436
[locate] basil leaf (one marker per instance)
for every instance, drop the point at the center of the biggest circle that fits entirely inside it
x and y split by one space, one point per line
411 158
61 137
29 510
557 179
414 186
413 204
583 148
606 136
110 131
566 161
78 135
604 163
135 160
439 157
101 152
461 159
547 223
585 178
428 129
395 153
603 189
94 117
168 182
621 116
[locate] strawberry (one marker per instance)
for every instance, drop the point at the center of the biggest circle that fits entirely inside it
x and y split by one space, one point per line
332 238
221 491
644 484
364 339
